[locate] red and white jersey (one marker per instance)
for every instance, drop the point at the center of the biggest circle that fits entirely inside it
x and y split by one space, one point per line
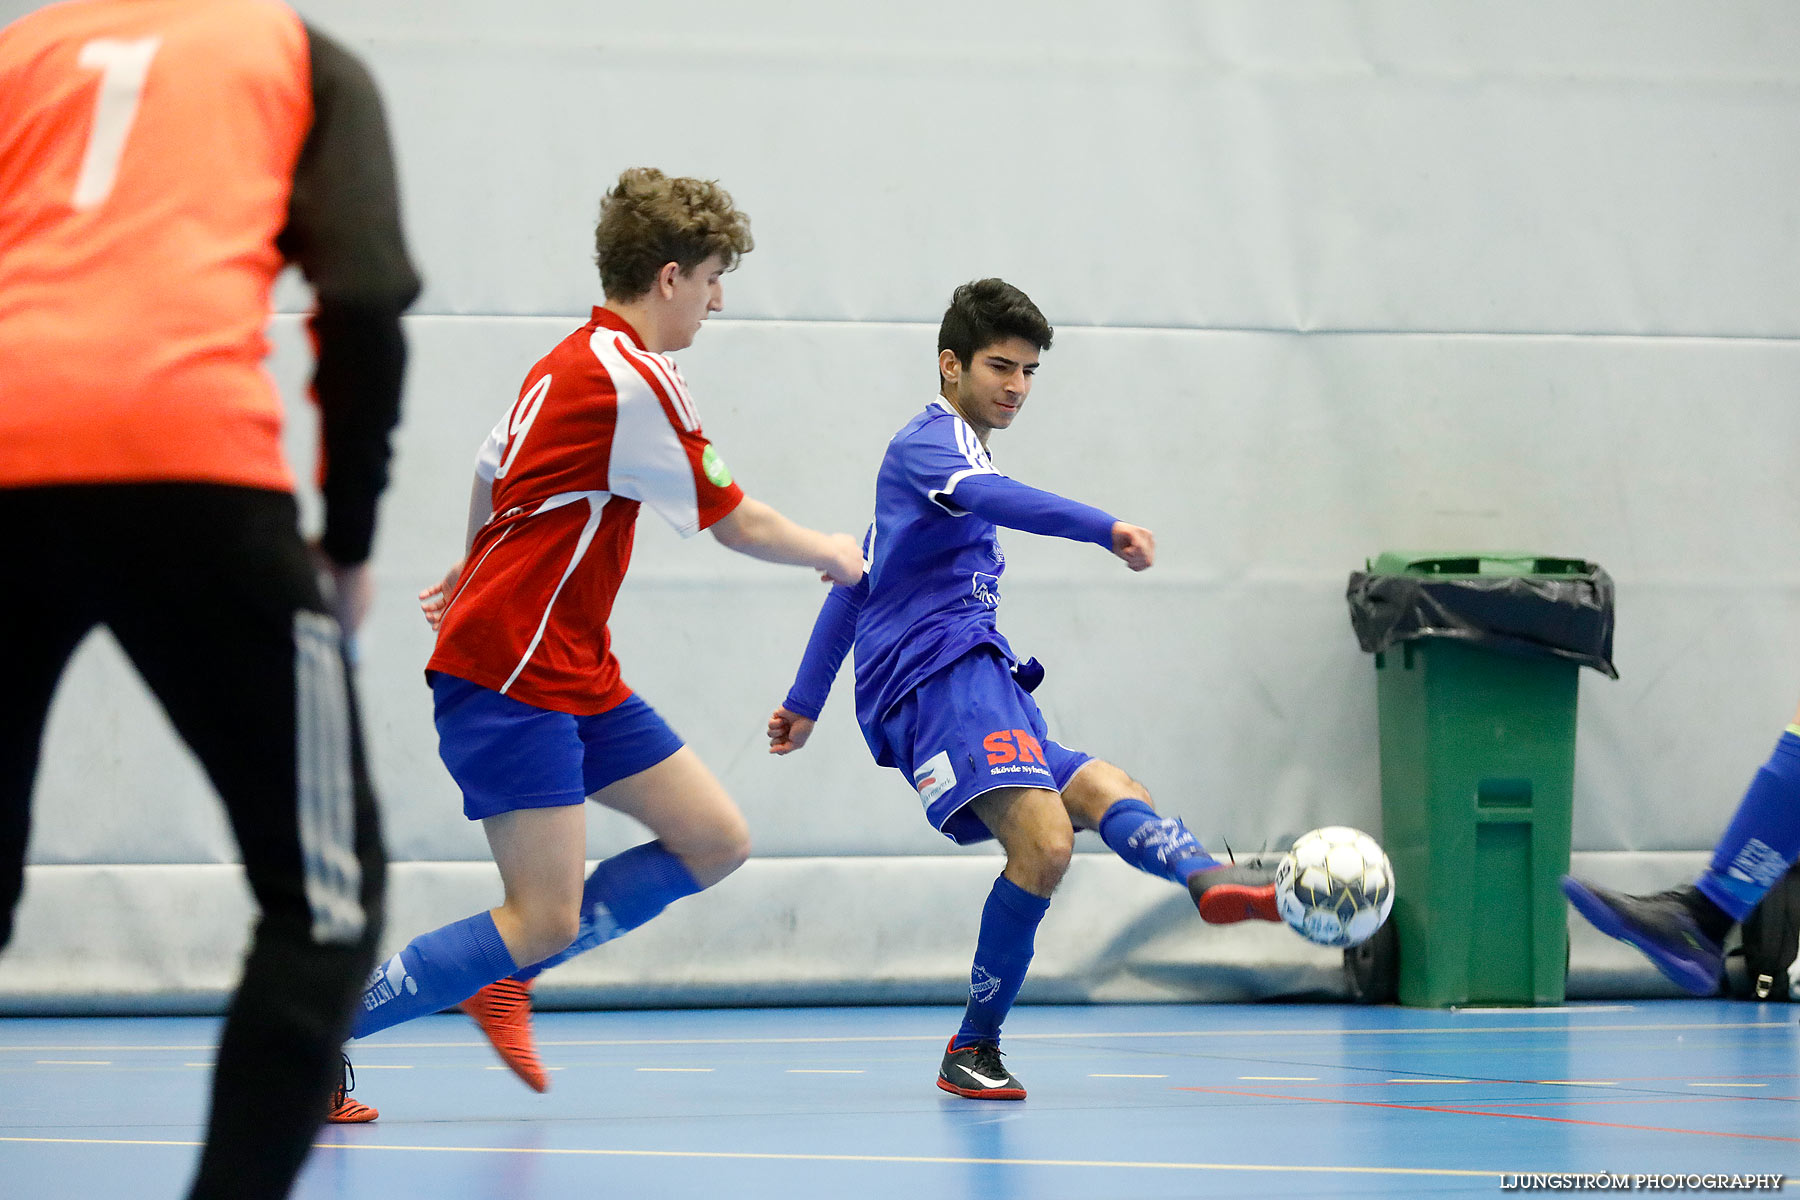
601 426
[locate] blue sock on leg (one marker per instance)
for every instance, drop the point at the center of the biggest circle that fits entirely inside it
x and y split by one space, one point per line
623 892
1763 837
434 971
1003 953
1154 844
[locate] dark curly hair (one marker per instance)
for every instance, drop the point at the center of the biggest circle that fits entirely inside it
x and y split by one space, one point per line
986 311
649 219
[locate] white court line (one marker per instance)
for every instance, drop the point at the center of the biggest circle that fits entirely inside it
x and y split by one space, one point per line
752 1156
1020 1037
70 1062
1553 1008
1127 1076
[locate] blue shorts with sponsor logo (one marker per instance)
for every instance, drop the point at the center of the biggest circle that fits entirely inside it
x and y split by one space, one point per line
968 729
505 754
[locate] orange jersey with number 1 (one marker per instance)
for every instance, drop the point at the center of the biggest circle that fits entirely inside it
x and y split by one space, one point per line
138 218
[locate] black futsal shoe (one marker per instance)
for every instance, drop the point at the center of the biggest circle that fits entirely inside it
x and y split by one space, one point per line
975 1071
1663 926
1227 895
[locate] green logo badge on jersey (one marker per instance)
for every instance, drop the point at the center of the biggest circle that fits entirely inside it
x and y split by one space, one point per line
715 468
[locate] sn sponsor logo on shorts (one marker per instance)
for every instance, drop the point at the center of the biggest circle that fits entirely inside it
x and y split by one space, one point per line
1013 745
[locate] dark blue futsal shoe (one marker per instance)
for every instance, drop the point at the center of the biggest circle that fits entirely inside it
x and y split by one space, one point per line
1662 926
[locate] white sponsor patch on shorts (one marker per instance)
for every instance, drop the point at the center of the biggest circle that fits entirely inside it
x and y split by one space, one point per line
934 777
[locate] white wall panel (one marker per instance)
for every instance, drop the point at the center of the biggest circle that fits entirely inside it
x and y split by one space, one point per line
1542 167
1226 678
848 931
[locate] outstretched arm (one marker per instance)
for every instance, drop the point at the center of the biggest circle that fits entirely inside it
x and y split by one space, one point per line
832 636
436 598
1015 505
755 529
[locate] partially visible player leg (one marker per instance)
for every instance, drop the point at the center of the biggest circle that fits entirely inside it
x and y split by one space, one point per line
1683 929
226 625
52 605
539 853
1104 798
1033 827
700 838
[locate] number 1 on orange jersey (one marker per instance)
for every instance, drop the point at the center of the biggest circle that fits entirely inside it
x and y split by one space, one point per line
124 66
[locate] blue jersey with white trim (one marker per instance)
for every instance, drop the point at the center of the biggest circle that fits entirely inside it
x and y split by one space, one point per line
934 568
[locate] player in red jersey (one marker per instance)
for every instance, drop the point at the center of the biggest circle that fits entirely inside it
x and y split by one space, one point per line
532 715
160 162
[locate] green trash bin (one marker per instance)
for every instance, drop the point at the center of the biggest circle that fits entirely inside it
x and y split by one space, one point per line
1477 705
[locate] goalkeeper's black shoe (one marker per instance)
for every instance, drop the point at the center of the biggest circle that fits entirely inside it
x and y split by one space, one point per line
975 1071
1663 926
1229 894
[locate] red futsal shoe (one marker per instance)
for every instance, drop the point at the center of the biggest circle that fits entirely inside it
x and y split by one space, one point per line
344 1110
503 1011
1227 895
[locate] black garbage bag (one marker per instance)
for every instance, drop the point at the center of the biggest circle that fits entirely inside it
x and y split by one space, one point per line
1562 609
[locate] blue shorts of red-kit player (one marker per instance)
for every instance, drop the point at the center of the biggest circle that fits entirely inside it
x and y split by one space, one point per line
968 729
506 755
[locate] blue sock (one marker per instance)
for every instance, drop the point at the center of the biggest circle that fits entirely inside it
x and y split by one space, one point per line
436 970
1764 836
1154 844
1002 955
623 892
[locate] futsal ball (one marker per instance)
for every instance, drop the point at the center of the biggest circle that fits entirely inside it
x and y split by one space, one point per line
1335 886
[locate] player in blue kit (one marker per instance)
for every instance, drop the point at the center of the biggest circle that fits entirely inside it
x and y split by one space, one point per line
942 698
1683 929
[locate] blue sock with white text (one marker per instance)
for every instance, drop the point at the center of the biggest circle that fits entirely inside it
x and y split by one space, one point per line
1003 953
623 892
435 971
1763 837
1154 844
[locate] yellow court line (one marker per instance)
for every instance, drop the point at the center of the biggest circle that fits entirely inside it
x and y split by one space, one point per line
757 1156
1019 1037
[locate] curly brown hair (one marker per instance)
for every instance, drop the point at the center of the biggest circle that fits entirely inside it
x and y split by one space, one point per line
649 219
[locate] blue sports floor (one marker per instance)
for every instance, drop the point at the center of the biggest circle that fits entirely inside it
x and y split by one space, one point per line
1126 1101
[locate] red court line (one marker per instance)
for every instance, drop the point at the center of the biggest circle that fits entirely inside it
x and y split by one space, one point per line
1475 1112
1573 1103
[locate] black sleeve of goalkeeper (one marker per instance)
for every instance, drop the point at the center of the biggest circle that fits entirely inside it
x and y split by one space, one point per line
343 232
